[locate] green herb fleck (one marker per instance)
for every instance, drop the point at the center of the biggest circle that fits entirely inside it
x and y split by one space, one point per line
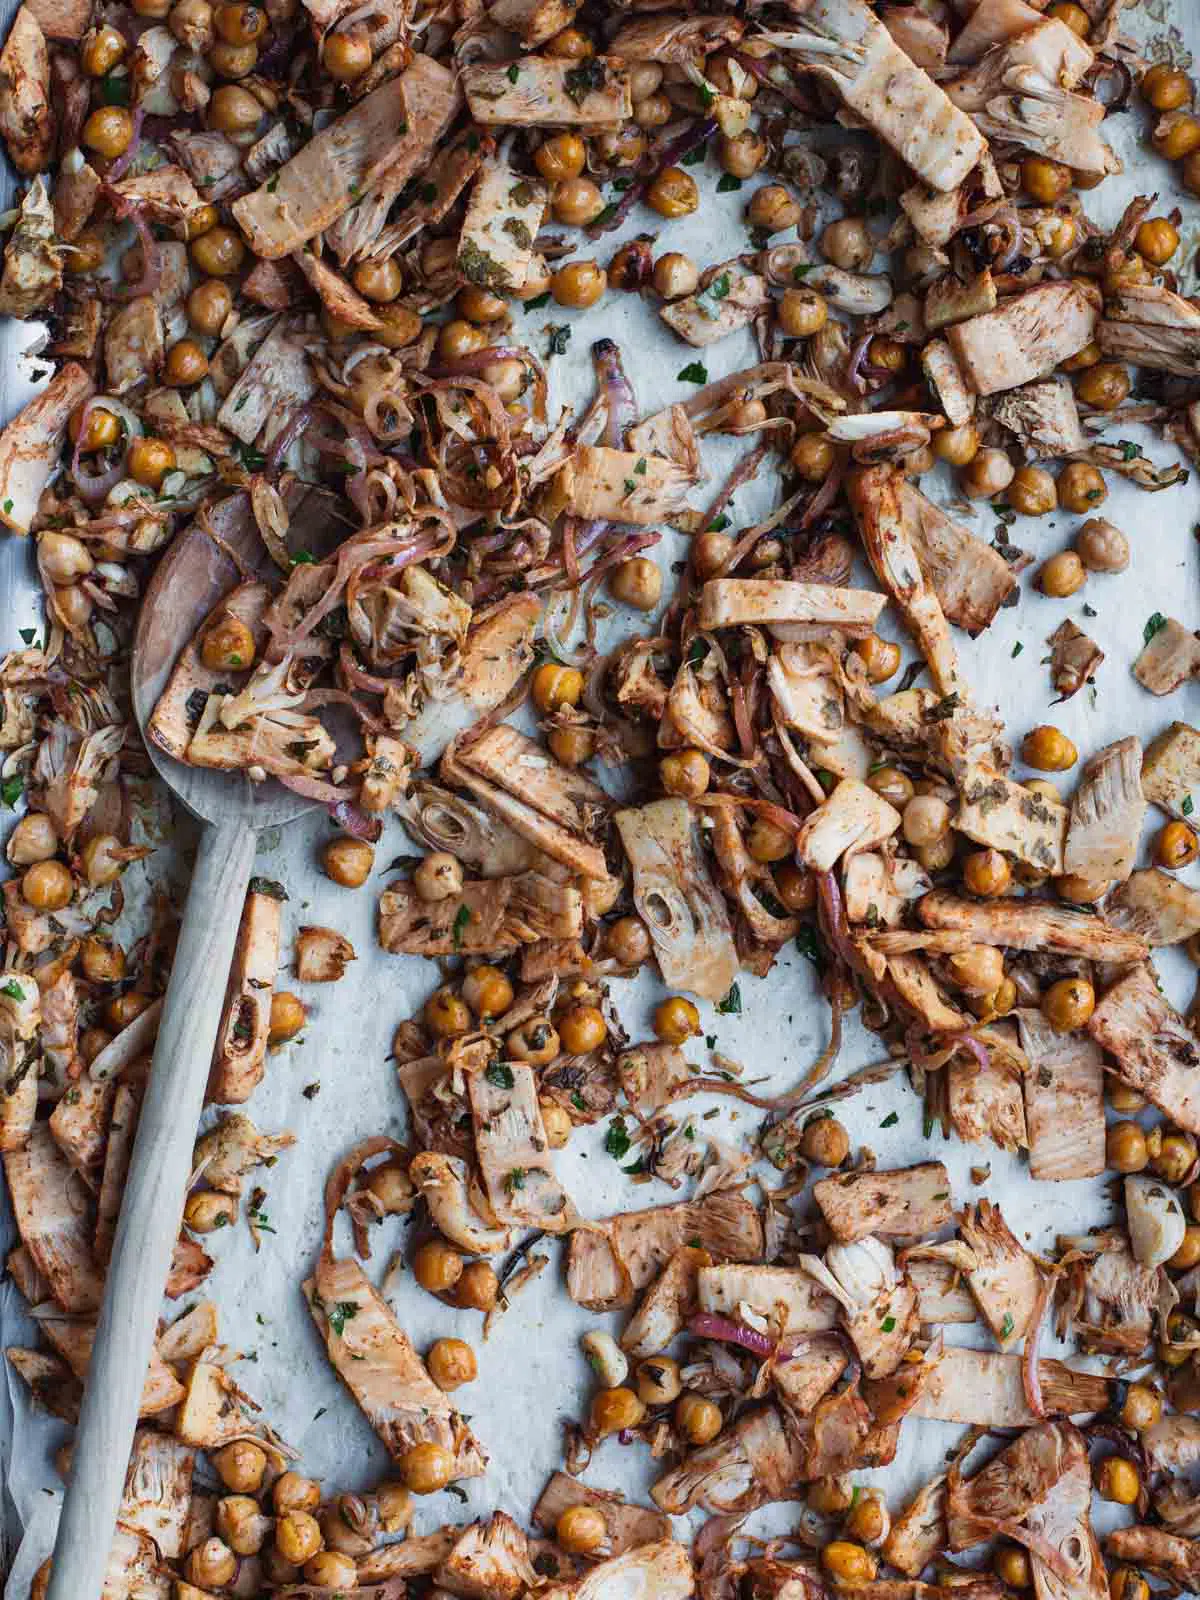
341 1315
1006 1327
513 73
461 917
888 1324
890 1121
617 1140
728 184
514 1180
13 990
500 1075
731 1005
1154 624
267 886
11 789
560 338
1016 649
1187 808
694 372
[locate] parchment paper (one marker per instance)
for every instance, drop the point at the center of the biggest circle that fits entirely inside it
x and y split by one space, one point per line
532 1375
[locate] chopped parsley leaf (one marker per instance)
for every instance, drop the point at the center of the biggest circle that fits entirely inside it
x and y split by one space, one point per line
499 1075
731 1005
694 372
1154 624
617 1140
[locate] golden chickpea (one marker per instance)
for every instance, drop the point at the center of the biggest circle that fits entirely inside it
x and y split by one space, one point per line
614 1410
206 1211
673 193
437 1267
848 244
741 154
102 48
125 1008
459 338
848 1563
824 1141
92 1041
1057 232
830 1497
100 860
697 1418
72 607
685 773
1188 1254
288 1016
812 457
438 877
191 22
228 645
1176 846
578 285
445 1014
557 1122
658 1381
1081 487
767 842
1078 890
800 313
331 1570
1047 749
1011 1566
219 252
209 305
33 839
926 819
102 960
637 583
1104 386
1165 87
297 1536
1082 359
391 1187
346 56
451 1363
201 219
892 785
628 941
487 991
211 1565
1067 1004
867 1521
581 1530
294 1492
478 1288
710 552
1172 1155
535 1041
645 77
241 1466
1126 1584
987 474
85 254
108 131
1032 492
979 969
654 111
676 1020
1176 136
772 209
348 862
576 201
1044 180
569 44
240 24
1141 1407
891 356
582 1029
1117 1480
958 446
1156 240
555 686
47 886
1121 1097
675 275
562 155
880 657
241 1524
476 304
1062 575
398 326
795 887
987 873
233 109
103 430
1074 16
572 746
381 281
186 364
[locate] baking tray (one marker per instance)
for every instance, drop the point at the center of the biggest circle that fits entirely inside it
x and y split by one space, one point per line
532 1376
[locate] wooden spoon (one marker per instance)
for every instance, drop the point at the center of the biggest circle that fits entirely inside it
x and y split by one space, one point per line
190 579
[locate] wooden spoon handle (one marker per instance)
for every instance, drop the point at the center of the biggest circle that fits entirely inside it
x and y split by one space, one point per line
150 1212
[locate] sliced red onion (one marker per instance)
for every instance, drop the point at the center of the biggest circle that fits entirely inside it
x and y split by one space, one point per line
1031 1362
298 419
708 1325
355 821
125 160
151 276
618 392
697 134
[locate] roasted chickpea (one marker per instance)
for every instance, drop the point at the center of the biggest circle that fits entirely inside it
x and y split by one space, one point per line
1047 749
206 1211
346 56
988 473
1011 1566
381 281
102 959
292 1491
891 356
108 131
33 839
987 873
1067 1004
437 1267
478 1288
697 1418
241 1523
102 431
100 860
1121 1097
1117 1480
795 887
979 969
92 1041
958 446
710 552
487 991
439 876
233 109
451 1363
628 941
1044 180
653 111
581 1530
926 819
241 1466
576 201
445 1014
238 23
685 773
391 1187
85 253
233 61
47 886
673 193
578 285
1081 487
675 275
1032 492
582 1028
101 50
1172 1155
614 1410
741 154
676 1020
1141 1407
891 785
398 326
830 1497
209 305
848 244
228 645
458 338
535 1041
636 582
848 1563
1104 386
658 1381
555 686
298 1536
772 209
1188 1254
186 364
880 657
219 252
556 1120
348 861
211 1565
125 1008
191 22
476 304
824 1141
1176 136
800 313
1078 890
812 457
1166 88
1126 1584
572 746
868 1521
1061 575
569 44
1176 846
1101 546
1075 17
1156 240
645 77
562 155
331 1569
